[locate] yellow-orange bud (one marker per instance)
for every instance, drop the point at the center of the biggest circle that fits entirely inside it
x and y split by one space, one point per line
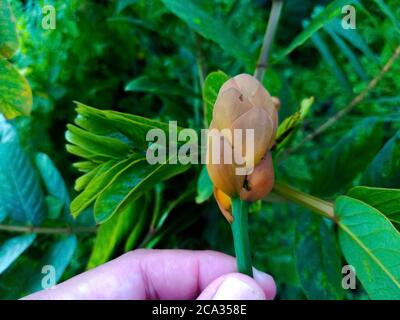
243 103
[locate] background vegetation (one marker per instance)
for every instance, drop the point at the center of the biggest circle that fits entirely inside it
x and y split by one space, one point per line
150 59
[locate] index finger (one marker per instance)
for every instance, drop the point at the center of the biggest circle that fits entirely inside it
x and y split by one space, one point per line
151 274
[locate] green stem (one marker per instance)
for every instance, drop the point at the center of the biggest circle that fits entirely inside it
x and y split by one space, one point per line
268 38
315 204
241 236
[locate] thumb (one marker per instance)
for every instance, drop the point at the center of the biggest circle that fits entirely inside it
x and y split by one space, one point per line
237 286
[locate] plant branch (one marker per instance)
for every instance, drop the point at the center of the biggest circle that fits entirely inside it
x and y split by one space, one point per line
31 229
322 207
270 31
359 98
241 236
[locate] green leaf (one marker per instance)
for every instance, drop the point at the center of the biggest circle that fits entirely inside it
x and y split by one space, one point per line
212 28
58 256
384 169
106 122
137 178
55 207
288 126
389 13
353 38
85 179
111 233
204 186
13 248
20 193
330 59
8 31
349 157
15 92
96 144
155 86
105 176
331 11
317 258
52 179
349 54
386 201
371 245
138 229
212 84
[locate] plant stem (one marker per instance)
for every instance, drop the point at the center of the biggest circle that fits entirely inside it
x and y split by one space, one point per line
241 236
268 38
315 204
357 100
42 230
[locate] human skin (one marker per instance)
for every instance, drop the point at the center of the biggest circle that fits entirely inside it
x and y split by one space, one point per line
147 274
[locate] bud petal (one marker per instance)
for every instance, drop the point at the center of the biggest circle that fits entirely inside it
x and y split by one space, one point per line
260 182
224 203
258 120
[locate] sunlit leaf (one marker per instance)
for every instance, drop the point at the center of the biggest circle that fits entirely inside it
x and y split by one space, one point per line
386 201
212 84
11 249
371 245
8 32
15 92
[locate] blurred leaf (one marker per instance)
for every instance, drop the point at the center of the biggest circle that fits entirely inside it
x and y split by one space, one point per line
136 180
159 222
15 92
384 169
331 61
20 196
54 207
212 84
371 245
288 126
204 186
348 157
349 54
317 259
386 201
352 36
155 86
8 32
58 256
13 248
140 227
331 11
111 233
212 28
389 13
52 179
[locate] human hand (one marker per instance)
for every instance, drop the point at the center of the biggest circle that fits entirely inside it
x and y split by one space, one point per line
164 274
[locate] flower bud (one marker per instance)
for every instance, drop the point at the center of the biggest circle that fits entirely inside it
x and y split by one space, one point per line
242 103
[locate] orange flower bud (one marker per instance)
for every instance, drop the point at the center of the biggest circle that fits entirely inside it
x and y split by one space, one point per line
242 103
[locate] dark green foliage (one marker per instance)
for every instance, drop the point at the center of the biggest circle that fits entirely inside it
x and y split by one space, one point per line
66 166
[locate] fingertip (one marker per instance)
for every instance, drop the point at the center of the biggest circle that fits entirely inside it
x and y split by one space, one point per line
266 282
233 286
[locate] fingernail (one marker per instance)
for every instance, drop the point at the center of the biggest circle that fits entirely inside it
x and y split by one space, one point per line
266 282
237 288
